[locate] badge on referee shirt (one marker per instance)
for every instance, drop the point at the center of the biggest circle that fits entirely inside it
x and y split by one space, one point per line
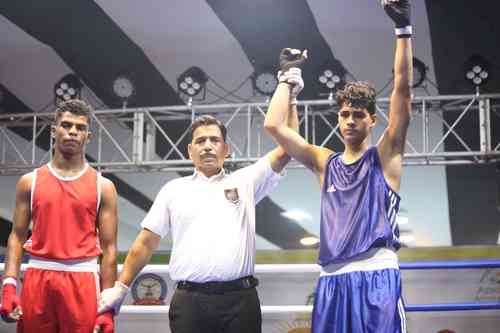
232 195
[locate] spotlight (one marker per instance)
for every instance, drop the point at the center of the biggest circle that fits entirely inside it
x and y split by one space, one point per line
477 70
330 78
123 87
192 82
309 241
264 81
296 215
419 73
68 87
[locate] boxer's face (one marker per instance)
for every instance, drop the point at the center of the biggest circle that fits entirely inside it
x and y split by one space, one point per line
71 133
355 124
208 150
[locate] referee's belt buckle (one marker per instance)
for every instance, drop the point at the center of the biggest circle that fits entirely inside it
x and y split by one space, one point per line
219 287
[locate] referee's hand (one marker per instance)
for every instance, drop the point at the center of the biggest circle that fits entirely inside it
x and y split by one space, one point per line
111 299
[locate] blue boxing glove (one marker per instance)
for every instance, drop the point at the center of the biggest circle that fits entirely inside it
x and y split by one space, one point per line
291 61
290 58
400 12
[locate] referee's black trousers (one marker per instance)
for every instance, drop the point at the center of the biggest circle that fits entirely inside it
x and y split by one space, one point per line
194 311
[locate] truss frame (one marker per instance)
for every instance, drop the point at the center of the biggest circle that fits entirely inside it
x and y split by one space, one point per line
134 153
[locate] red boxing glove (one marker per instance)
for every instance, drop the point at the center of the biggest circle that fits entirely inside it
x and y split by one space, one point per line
11 306
104 323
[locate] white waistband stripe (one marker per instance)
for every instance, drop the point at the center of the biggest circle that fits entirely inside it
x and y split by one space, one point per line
80 265
374 259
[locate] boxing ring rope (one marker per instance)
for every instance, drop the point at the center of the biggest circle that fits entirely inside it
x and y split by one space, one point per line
313 268
280 309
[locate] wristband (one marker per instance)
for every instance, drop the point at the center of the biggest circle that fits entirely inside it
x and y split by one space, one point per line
9 280
404 32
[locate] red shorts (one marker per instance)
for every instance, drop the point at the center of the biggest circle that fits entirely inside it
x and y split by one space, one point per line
58 301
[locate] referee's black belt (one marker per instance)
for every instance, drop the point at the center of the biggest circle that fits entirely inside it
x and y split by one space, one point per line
219 287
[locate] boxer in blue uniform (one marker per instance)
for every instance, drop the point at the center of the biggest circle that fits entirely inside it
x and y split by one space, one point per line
359 289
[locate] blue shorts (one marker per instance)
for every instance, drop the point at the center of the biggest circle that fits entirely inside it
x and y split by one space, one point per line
360 301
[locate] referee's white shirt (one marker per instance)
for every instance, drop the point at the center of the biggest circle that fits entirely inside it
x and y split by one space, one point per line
212 221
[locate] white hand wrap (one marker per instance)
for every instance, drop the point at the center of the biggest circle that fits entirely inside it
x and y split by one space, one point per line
112 298
293 76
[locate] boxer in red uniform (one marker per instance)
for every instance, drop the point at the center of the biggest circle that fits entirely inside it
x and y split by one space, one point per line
74 221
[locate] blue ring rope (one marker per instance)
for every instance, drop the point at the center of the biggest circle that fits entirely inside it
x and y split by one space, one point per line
458 264
452 307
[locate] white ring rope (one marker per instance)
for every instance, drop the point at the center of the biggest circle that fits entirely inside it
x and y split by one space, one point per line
266 309
313 268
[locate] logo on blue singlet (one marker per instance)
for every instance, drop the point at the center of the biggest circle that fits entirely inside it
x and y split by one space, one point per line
331 189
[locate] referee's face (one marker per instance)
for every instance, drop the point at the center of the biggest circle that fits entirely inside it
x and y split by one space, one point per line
208 150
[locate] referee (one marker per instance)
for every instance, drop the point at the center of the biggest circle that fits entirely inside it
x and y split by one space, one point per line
211 217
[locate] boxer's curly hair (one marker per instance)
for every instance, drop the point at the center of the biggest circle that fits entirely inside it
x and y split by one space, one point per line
207 120
358 95
73 106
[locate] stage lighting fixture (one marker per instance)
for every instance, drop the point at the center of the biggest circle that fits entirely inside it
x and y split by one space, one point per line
309 241
192 82
123 87
419 73
477 70
330 78
68 87
264 81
